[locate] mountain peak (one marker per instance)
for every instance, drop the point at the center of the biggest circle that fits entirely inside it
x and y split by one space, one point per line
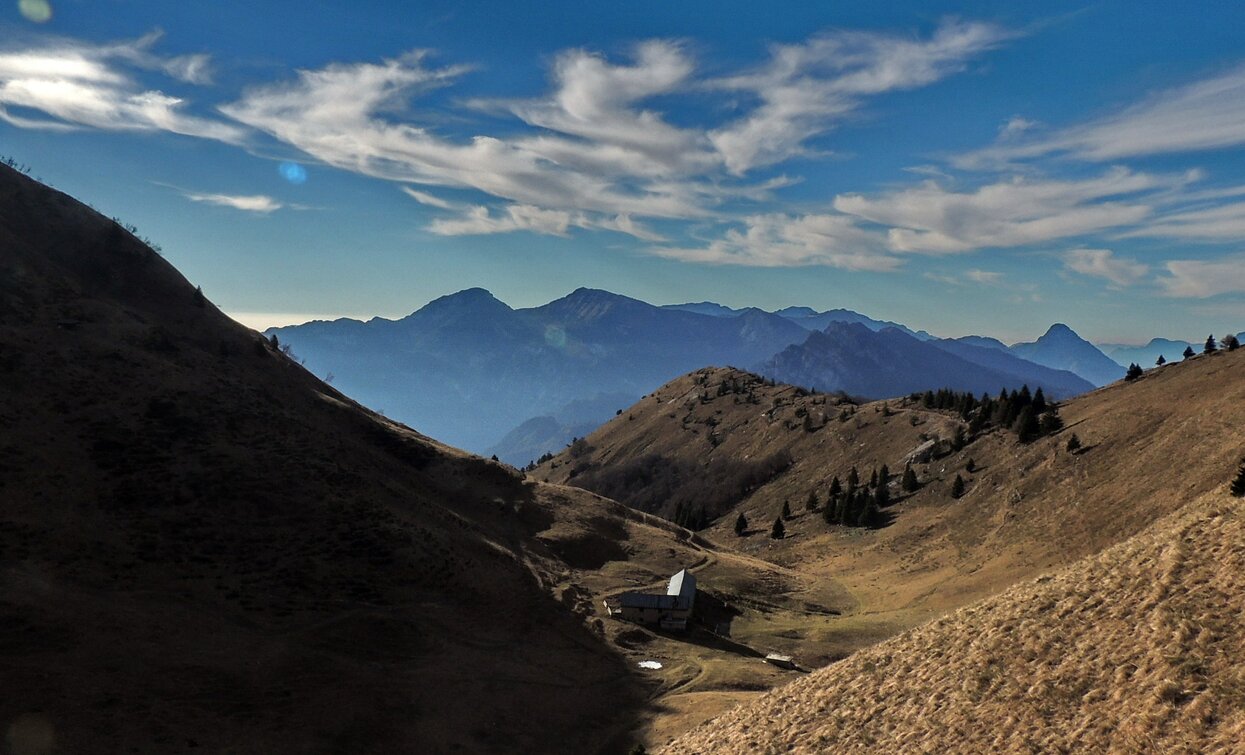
1060 329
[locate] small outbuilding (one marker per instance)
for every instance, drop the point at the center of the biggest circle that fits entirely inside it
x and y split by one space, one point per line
669 611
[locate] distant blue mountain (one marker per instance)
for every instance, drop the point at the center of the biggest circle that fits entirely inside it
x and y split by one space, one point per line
806 317
1123 354
476 373
1061 348
850 357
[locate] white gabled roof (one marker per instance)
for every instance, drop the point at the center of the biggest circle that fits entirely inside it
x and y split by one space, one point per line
682 584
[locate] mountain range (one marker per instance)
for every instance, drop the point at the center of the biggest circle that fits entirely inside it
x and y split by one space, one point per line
492 379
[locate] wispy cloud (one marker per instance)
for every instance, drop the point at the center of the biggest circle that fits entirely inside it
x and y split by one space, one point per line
779 240
808 88
343 115
1102 263
1224 222
1202 115
257 203
932 219
1200 279
480 220
73 85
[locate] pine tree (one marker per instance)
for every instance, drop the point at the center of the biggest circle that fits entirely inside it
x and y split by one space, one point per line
1231 342
853 478
970 467
786 510
1238 485
1160 361
1211 347
909 482
1188 352
741 524
1039 401
1026 426
812 502
873 479
836 487
1074 444
959 439
200 301
1134 372
1050 423
778 531
884 475
957 487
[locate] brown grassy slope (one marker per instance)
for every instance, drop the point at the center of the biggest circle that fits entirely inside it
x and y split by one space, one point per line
203 546
1151 445
1137 649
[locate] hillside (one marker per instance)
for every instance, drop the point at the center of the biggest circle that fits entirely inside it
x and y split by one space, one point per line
1027 509
1137 649
202 546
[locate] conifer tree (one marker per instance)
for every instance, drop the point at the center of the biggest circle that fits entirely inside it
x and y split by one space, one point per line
1160 361
1211 347
957 487
811 503
1231 342
1074 444
959 439
786 510
1134 372
884 475
1050 423
869 514
1238 485
971 466
836 487
778 531
873 479
1188 352
882 496
1039 401
1026 426
909 482
853 479
741 524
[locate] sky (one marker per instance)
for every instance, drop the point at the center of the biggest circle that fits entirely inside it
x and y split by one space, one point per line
961 167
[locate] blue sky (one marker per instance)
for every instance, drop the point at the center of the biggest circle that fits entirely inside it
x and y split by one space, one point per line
960 167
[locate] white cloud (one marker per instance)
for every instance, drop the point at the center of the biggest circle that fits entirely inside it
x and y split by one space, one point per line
258 203
431 200
808 88
479 221
595 103
1206 114
1102 263
1221 223
779 240
931 219
77 85
1200 279
338 115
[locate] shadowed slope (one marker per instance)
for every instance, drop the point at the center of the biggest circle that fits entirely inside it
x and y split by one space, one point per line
201 545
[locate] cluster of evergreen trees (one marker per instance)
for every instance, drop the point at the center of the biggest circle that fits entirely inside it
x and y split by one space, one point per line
1029 415
856 504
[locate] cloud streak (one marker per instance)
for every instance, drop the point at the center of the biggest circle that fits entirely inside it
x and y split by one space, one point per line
1121 272
932 219
808 88
74 85
256 203
1203 115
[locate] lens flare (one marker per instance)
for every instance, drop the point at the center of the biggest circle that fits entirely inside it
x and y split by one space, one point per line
39 11
293 172
555 336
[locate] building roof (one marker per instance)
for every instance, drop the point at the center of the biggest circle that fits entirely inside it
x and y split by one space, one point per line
680 593
683 584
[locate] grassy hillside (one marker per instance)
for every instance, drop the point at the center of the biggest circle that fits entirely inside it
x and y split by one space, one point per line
203 546
1137 649
1149 447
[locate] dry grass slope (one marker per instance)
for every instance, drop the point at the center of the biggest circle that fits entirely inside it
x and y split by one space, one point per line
1137 649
